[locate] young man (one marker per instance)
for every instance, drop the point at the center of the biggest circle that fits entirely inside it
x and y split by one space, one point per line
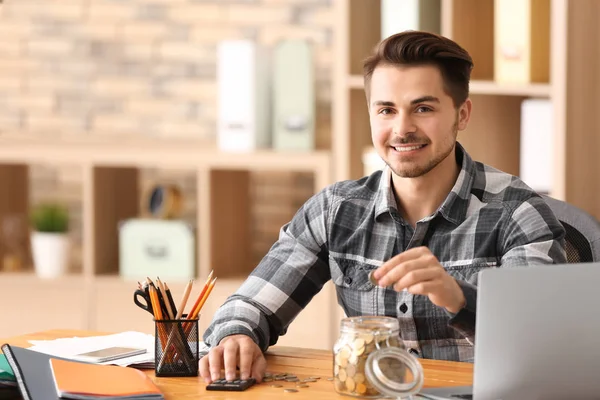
426 224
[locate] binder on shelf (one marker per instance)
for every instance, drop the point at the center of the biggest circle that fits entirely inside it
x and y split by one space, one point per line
537 149
522 41
243 96
402 15
293 96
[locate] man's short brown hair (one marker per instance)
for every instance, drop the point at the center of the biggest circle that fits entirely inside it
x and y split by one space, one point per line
413 48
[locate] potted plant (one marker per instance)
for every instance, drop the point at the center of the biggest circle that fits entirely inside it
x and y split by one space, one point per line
49 239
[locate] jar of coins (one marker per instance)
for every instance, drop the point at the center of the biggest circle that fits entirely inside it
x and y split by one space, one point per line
369 360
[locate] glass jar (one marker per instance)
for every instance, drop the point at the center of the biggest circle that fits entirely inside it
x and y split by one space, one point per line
370 361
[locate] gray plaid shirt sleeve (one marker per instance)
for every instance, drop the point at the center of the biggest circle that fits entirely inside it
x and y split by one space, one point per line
532 236
286 279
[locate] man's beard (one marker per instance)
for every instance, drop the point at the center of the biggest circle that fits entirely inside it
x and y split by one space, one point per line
420 170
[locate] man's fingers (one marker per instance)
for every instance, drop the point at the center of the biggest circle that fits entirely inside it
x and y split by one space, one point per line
215 362
424 288
409 254
399 271
417 276
204 369
259 366
230 357
246 358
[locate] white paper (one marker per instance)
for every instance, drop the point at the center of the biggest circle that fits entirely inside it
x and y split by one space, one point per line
70 347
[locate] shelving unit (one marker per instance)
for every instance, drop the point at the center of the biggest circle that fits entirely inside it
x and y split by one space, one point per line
97 297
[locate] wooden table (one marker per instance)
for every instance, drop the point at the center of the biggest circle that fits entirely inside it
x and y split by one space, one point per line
301 362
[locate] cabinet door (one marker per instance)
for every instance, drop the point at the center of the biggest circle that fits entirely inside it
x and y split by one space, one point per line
29 304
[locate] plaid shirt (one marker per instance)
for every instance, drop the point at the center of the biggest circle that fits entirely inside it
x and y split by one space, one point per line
489 219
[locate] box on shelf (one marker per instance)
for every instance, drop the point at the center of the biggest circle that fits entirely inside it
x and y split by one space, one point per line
537 150
243 96
522 41
293 96
398 16
154 247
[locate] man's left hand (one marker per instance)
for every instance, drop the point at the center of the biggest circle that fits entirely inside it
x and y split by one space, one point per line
419 272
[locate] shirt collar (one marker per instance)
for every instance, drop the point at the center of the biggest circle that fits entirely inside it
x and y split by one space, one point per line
454 208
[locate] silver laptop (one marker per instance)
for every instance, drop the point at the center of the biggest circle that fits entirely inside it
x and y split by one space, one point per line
537 335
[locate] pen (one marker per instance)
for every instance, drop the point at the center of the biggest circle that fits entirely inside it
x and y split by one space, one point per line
161 301
170 298
161 287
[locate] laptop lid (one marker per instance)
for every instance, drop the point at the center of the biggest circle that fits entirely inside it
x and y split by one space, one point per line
538 333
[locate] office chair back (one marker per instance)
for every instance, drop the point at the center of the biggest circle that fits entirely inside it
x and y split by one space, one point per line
582 231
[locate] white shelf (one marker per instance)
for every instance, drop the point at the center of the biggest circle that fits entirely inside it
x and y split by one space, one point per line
153 154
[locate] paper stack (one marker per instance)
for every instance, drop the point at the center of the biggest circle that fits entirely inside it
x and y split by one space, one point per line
70 347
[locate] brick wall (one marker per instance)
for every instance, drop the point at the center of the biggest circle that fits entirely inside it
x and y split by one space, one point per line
137 67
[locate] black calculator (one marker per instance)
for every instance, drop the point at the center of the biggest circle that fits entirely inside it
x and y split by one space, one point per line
236 385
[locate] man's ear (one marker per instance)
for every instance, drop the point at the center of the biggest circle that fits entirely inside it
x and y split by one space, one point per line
464 114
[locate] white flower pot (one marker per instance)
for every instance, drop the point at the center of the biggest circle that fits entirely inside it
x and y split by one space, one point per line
50 253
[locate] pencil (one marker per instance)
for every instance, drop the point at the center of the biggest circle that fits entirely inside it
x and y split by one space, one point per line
201 295
196 311
184 299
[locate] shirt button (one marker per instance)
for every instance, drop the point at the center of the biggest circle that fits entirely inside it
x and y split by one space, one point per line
413 351
348 280
403 308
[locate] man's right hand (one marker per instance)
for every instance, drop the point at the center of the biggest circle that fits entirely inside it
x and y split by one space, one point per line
234 351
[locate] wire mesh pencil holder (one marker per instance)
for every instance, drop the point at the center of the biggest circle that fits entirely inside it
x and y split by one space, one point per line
176 347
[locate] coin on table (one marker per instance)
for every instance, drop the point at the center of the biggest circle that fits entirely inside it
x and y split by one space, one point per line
268 380
276 386
302 385
290 390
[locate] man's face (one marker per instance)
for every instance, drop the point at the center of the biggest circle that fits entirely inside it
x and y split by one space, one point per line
413 121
